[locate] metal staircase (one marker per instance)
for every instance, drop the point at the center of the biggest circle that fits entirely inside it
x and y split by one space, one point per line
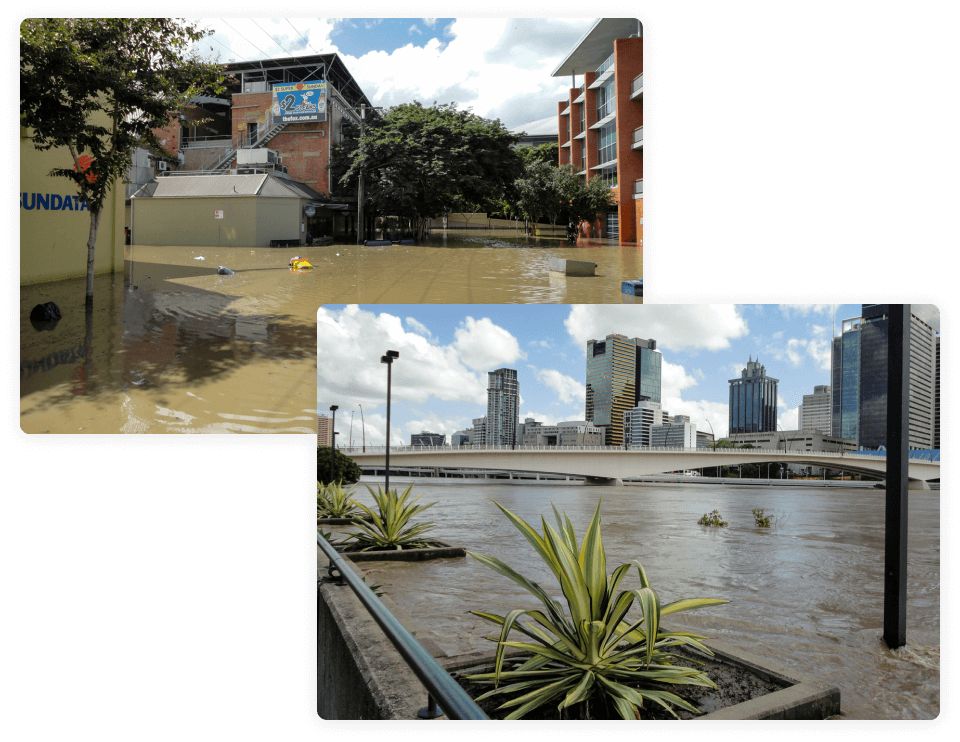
220 163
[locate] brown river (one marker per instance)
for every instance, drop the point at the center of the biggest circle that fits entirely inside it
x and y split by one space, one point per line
171 346
807 593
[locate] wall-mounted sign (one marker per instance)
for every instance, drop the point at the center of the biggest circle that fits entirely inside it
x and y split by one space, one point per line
308 210
218 214
300 101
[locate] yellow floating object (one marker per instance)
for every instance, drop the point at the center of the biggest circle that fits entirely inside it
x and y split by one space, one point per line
300 264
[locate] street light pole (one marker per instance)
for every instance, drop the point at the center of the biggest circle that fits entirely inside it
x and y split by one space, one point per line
388 359
333 442
363 430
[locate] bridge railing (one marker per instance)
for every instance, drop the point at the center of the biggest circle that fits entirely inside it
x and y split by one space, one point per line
639 449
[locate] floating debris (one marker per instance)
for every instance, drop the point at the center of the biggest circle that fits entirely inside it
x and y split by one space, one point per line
224 271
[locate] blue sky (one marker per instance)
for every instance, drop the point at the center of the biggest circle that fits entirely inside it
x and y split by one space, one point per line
439 381
498 67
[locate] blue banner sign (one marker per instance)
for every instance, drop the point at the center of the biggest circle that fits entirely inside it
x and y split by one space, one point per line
300 101
51 202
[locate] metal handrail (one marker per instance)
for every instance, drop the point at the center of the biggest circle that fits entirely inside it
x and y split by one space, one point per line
454 700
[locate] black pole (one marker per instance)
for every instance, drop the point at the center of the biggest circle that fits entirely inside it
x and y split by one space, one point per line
898 416
333 443
387 473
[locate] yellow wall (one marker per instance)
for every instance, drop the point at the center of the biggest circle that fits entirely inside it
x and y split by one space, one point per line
53 243
248 221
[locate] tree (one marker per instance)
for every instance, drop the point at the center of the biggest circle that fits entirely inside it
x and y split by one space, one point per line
588 201
537 190
548 153
345 470
99 87
418 160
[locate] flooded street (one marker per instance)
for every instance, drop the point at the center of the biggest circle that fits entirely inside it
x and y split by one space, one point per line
171 346
808 593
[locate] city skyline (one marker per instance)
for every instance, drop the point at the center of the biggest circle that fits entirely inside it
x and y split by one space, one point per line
446 352
442 60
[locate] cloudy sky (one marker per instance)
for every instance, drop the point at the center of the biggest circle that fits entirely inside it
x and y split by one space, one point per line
497 66
439 381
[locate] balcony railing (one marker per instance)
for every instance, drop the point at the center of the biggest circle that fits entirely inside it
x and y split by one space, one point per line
607 64
454 701
638 186
638 136
637 85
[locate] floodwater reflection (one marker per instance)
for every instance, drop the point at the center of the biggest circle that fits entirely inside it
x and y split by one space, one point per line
170 346
808 594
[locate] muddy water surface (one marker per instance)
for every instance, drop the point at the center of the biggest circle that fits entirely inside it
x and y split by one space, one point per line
808 594
171 346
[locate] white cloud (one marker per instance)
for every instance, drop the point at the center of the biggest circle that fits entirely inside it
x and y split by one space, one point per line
805 309
788 420
674 380
413 29
675 327
418 327
777 335
484 346
429 22
349 346
568 389
819 350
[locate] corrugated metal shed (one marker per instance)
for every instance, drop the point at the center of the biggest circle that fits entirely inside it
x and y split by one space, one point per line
201 186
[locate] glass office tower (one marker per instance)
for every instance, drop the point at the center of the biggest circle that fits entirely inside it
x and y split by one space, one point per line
503 407
620 373
753 400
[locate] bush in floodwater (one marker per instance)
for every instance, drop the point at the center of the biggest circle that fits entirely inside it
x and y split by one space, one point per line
759 519
712 519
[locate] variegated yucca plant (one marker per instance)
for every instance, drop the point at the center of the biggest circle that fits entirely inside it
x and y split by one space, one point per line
389 526
334 501
592 649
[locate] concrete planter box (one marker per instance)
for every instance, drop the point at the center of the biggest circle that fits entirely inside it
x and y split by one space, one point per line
342 521
778 693
440 550
573 267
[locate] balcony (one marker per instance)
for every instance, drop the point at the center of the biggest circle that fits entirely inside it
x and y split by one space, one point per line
638 188
636 88
637 138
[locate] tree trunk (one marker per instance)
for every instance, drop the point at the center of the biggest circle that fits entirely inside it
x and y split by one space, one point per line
91 244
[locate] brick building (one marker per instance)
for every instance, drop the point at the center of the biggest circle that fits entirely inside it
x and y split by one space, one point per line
277 116
601 122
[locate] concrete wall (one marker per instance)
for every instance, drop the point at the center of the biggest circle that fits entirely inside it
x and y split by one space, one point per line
53 239
248 221
359 673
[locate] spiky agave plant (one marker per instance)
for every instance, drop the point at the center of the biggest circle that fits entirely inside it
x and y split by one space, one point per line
388 527
334 501
592 650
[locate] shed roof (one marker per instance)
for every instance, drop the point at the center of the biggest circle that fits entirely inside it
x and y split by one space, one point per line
199 186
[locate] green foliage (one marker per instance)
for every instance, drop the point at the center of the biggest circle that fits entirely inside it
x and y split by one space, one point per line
333 501
389 527
548 153
345 469
99 87
587 201
417 160
538 192
712 519
592 650
325 535
759 519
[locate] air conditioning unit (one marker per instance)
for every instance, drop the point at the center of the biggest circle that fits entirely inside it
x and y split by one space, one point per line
163 165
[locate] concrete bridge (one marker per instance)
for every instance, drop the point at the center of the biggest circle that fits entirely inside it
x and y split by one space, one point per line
609 465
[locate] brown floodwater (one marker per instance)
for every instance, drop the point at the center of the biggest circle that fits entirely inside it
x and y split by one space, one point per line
808 593
171 346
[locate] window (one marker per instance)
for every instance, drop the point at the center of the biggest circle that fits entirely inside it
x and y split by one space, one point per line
606 100
607 143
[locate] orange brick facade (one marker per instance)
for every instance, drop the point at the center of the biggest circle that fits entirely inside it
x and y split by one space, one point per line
304 148
628 66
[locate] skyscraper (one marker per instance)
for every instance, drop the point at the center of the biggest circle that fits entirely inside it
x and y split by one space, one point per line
815 412
324 430
860 367
753 400
620 373
503 407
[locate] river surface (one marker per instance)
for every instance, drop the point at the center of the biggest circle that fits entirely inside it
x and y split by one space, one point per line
807 593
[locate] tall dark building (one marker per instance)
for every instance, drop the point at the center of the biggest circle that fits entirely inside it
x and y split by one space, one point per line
859 363
753 400
936 414
620 373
